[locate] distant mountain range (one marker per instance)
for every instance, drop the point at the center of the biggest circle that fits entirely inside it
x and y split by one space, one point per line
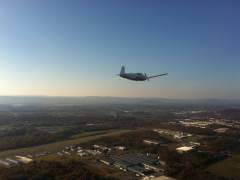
91 100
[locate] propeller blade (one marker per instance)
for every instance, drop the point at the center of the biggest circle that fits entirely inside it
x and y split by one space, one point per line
146 76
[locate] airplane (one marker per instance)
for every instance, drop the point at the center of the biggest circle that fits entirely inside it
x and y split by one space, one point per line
137 76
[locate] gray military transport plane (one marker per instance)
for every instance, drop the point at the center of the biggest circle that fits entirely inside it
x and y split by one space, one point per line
137 76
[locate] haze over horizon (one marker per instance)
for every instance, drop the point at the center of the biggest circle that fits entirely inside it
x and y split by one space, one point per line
75 48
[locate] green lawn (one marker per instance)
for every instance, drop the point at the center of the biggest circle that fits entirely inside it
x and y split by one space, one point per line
229 168
57 146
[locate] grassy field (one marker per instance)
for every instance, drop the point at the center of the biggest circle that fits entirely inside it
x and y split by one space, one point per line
87 134
57 146
229 168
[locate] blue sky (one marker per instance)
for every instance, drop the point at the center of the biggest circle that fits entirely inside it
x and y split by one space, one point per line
75 48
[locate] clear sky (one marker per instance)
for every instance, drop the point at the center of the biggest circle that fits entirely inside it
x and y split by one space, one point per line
75 47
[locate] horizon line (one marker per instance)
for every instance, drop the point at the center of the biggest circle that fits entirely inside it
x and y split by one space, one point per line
165 98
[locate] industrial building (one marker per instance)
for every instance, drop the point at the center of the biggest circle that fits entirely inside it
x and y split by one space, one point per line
140 164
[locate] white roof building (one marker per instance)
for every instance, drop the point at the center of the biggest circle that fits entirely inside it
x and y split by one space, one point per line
184 149
151 142
122 148
221 130
23 159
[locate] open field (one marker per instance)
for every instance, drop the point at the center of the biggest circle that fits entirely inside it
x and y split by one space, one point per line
87 134
229 168
54 147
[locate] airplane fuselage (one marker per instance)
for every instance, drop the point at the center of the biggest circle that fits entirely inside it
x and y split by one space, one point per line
137 76
134 76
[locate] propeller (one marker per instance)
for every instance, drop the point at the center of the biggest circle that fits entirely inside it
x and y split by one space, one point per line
146 76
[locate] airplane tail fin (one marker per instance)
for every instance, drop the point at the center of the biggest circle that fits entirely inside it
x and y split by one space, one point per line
122 70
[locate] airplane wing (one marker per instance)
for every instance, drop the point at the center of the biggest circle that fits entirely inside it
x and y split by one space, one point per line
157 75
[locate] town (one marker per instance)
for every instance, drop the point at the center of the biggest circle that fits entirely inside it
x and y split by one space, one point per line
127 142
